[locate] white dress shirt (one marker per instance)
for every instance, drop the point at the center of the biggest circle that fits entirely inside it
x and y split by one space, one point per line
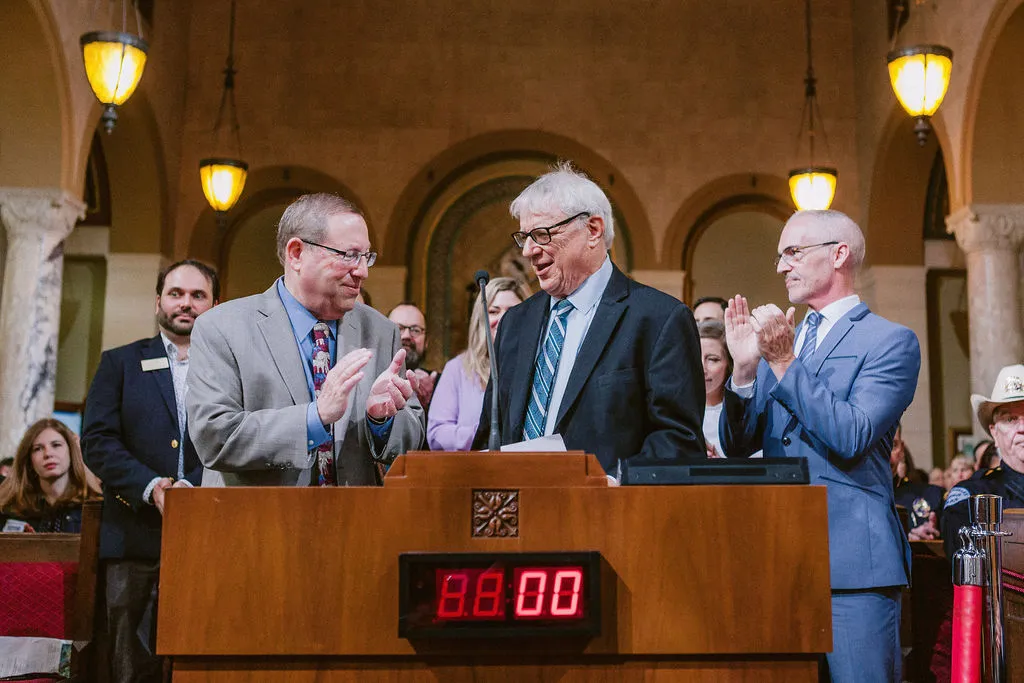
584 306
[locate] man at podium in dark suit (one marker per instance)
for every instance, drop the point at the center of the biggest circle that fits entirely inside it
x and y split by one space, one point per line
832 391
611 365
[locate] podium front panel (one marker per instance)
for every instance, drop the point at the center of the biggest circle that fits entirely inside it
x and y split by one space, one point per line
702 570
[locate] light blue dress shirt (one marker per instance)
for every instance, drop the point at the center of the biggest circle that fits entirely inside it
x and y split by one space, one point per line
302 327
584 307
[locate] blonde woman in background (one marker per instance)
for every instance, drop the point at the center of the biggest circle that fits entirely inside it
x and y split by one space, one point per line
459 395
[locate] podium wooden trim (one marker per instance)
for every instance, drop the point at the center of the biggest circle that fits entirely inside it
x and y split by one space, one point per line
301 584
1013 595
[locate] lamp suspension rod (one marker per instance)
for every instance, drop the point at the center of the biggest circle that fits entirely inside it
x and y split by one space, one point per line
227 97
811 82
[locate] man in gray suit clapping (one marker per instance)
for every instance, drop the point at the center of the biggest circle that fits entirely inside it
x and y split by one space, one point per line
301 385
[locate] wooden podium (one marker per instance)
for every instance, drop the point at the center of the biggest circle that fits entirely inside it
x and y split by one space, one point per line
1013 594
698 583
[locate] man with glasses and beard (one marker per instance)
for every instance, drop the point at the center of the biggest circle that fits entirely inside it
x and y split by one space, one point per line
135 439
832 390
412 325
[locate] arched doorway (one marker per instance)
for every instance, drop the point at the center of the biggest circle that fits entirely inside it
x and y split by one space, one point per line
243 247
724 234
466 227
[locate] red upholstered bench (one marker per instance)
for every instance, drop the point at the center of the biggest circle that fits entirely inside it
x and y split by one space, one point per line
48 591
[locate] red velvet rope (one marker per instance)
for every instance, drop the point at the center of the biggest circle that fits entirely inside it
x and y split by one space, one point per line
967 612
1013 575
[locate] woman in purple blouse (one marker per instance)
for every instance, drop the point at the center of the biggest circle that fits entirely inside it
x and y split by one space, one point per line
459 395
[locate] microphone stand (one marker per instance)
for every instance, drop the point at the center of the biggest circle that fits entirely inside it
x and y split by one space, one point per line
494 438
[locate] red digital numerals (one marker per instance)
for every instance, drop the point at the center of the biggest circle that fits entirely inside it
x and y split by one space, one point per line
548 593
537 593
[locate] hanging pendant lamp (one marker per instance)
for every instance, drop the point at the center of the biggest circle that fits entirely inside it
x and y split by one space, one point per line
813 186
919 73
223 178
114 62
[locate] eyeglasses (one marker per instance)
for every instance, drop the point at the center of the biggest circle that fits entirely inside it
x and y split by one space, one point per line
543 235
349 258
792 255
414 330
1009 420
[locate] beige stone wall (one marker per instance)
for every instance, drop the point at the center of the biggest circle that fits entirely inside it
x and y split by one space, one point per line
672 96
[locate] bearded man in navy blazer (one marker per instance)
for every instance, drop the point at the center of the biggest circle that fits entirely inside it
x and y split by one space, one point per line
832 391
611 365
134 439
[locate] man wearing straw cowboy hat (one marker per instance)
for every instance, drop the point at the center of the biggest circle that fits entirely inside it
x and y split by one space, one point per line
1002 416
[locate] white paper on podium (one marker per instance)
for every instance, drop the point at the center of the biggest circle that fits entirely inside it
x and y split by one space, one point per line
552 443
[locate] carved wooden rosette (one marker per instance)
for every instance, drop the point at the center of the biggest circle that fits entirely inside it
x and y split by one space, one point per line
495 513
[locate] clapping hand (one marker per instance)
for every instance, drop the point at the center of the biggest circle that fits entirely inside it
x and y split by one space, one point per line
391 391
926 531
741 338
775 333
339 383
424 386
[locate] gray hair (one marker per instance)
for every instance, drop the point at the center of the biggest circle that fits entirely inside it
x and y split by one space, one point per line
567 190
836 226
306 218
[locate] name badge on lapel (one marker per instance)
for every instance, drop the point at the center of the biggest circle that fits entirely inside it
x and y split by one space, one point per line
155 364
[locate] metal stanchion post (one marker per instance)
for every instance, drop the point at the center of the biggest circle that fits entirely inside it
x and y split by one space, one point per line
968 609
987 518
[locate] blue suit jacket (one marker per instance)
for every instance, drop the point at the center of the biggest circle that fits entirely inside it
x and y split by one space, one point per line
841 413
130 436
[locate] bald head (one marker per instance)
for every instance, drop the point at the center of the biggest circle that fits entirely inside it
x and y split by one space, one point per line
836 226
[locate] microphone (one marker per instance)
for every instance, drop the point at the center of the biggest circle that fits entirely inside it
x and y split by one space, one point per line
494 440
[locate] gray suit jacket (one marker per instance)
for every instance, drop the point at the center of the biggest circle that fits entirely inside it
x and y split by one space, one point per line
247 397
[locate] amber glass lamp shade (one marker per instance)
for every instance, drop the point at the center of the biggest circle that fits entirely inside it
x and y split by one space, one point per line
223 181
114 62
920 78
813 188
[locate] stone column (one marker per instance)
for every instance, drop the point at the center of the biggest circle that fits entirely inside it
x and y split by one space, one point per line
991 236
36 221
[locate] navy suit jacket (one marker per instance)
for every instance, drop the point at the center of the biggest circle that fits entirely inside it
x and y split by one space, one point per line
840 412
636 388
130 436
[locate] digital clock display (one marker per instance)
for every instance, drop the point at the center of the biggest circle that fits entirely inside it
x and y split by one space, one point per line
499 594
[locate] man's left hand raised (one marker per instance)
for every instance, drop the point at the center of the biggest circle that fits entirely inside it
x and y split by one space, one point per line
775 335
391 391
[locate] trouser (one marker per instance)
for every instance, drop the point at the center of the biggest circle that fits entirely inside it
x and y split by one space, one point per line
865 637
128 591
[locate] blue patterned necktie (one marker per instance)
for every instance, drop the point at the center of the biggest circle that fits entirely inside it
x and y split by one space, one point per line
544 372
810 337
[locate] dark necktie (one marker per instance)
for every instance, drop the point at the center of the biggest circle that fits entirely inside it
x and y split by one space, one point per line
321 366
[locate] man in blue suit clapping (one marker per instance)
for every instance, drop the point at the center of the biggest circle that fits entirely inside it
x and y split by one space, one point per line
832 390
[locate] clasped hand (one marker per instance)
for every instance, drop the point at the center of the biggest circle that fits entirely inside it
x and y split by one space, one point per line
766 332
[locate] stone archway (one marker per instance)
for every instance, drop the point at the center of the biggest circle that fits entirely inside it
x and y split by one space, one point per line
243 247
462 160
738 194
895 281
